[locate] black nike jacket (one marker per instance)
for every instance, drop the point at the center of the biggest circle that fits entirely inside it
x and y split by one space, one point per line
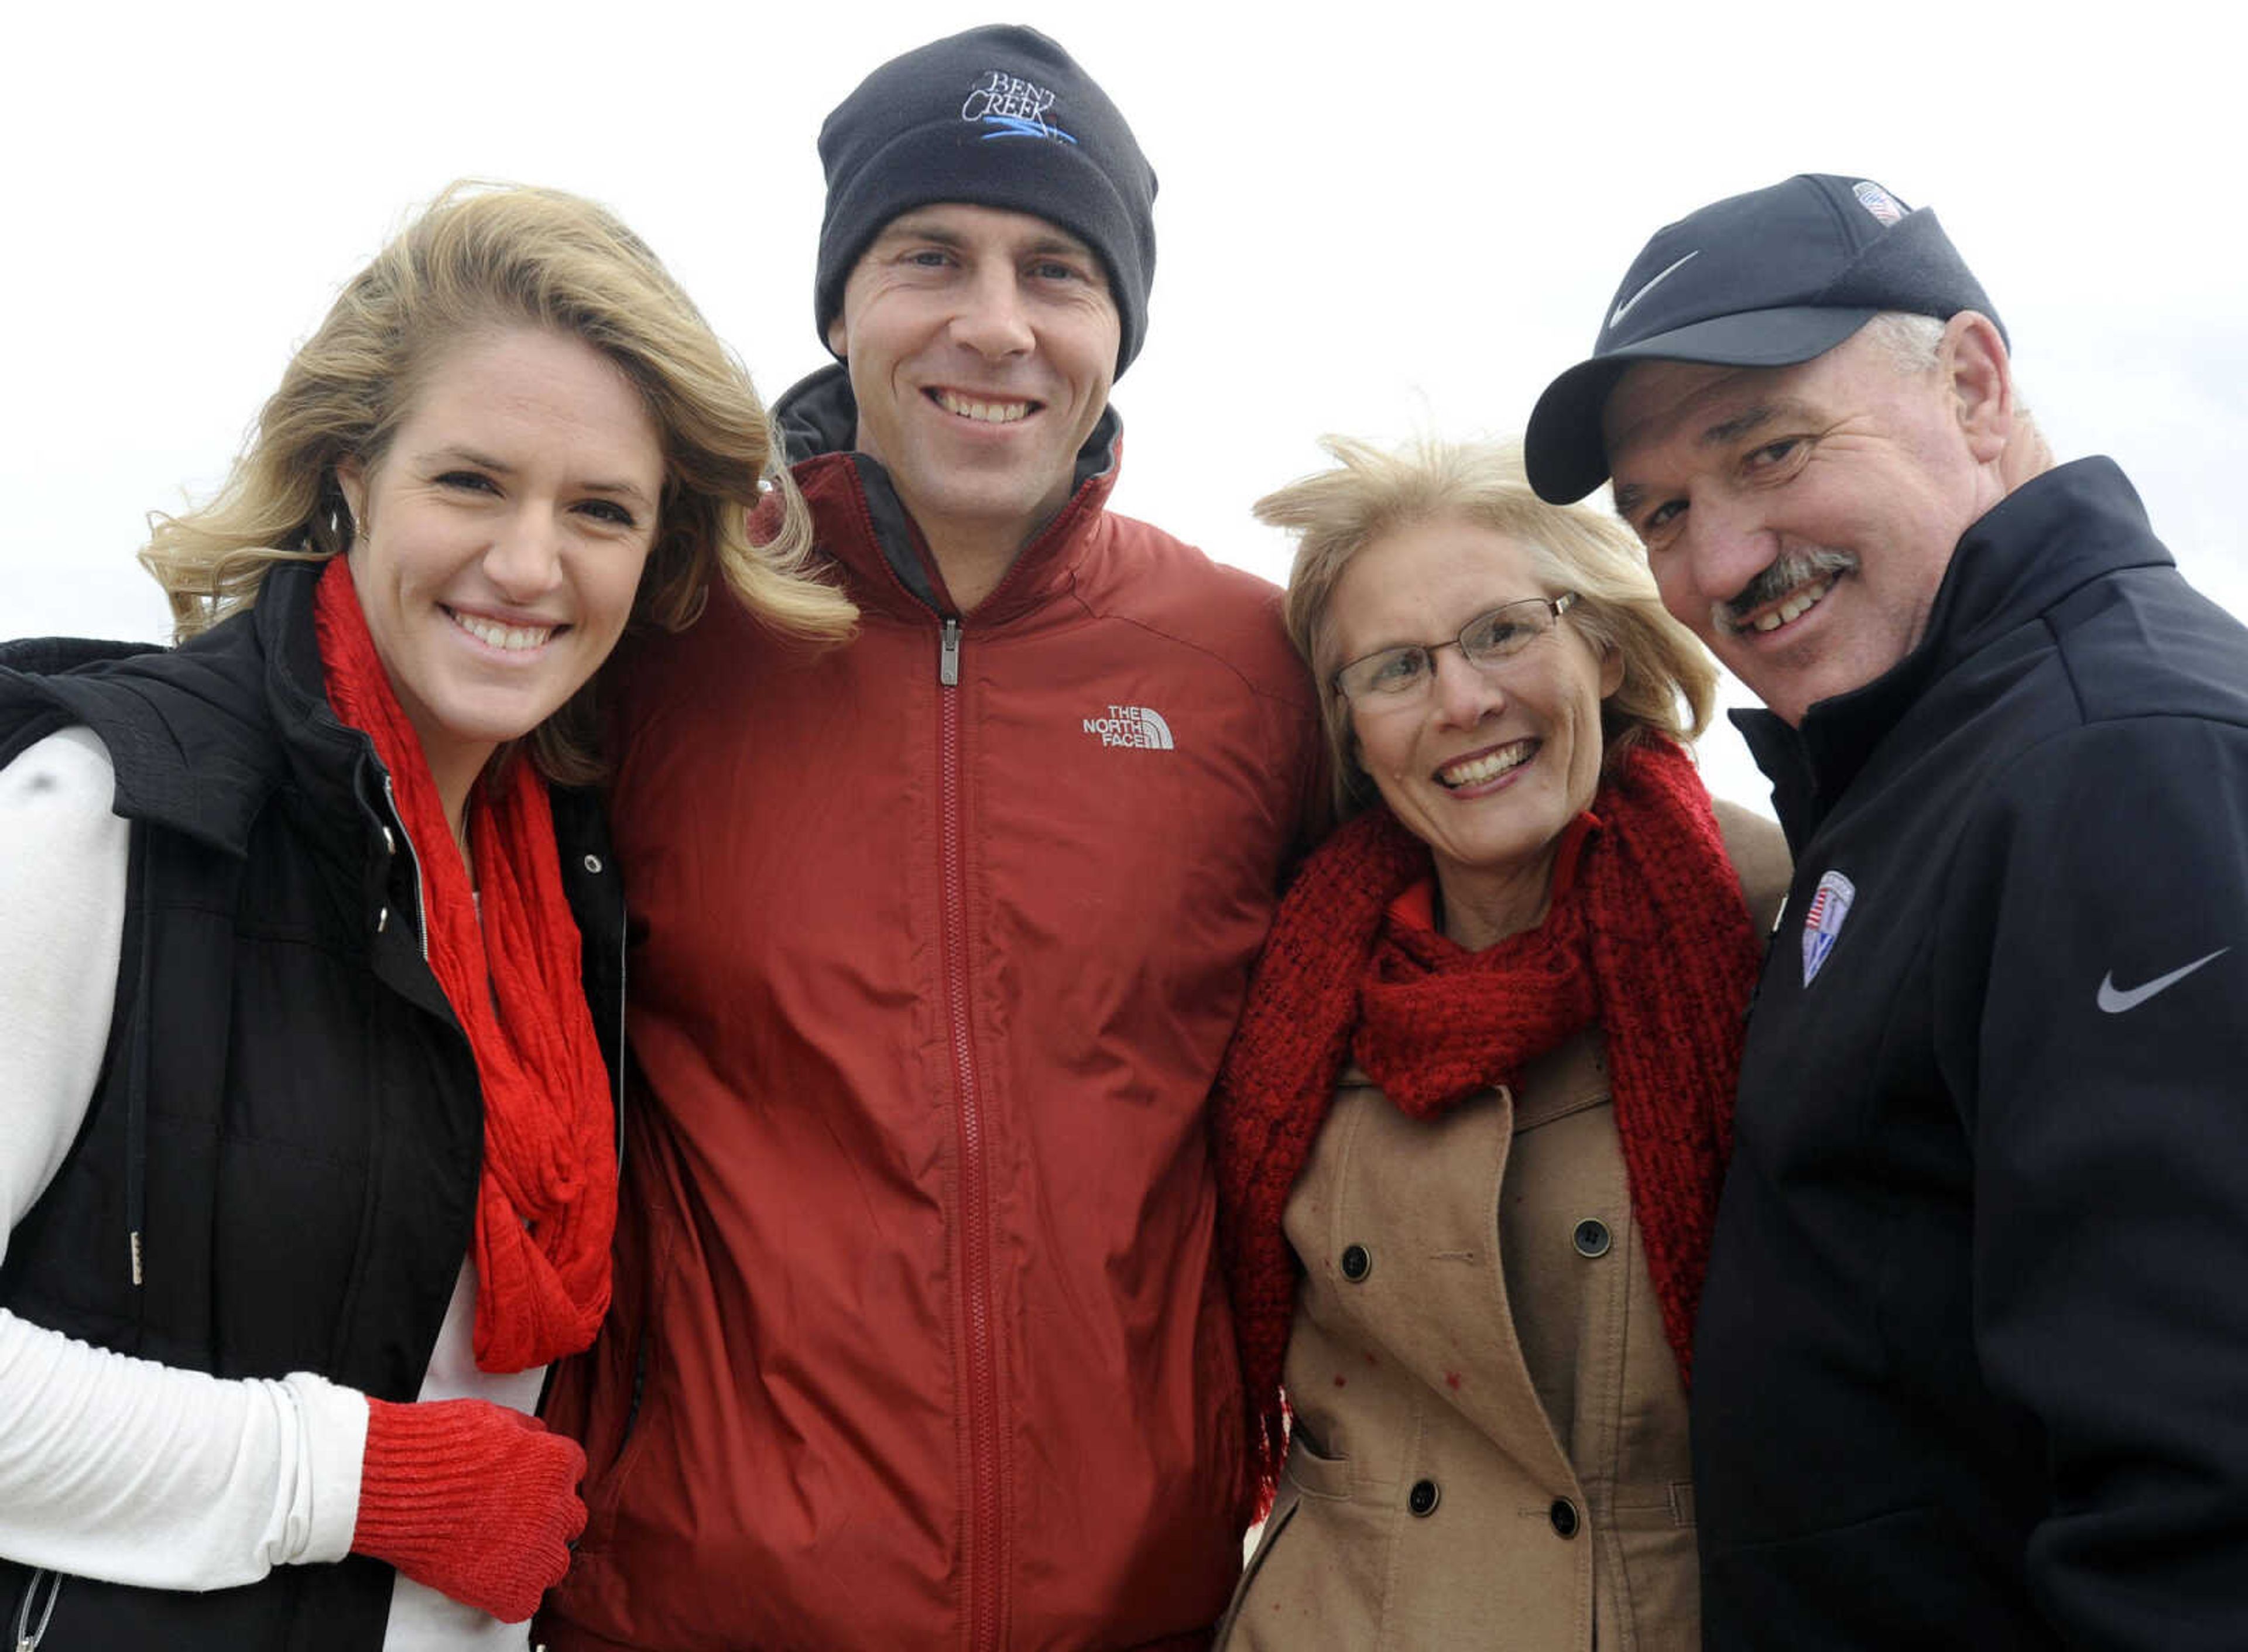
1972 1362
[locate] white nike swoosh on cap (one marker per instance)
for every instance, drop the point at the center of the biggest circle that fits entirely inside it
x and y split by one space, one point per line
2115 1003
1625 308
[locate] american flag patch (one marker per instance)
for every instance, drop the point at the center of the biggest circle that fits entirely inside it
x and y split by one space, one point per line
1877 201
1830 904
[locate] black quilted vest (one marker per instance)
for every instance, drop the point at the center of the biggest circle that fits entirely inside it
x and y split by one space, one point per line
278 1170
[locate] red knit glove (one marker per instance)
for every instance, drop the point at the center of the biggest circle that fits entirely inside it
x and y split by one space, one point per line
476 1501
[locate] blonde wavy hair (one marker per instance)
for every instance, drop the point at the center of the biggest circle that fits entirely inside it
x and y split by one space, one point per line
1669 682
483 256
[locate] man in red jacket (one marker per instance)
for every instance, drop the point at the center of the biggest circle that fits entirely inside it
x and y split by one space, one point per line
918 1338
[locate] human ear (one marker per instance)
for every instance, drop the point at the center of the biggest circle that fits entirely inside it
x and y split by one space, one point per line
838 336
351 480
1611 669
1982 383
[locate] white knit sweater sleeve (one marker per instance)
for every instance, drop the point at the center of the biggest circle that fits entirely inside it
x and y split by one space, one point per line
113 1467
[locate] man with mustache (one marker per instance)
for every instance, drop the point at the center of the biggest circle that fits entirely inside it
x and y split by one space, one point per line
1972 1360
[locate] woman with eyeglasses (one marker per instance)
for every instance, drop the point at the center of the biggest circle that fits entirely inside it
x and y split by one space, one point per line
1472 1125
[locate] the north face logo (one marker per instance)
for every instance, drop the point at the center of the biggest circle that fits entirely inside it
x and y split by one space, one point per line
1131 726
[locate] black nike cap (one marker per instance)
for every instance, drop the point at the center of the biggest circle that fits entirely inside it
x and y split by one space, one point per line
1765 279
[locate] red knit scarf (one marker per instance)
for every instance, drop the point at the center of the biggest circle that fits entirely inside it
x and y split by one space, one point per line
1647 935
546 1204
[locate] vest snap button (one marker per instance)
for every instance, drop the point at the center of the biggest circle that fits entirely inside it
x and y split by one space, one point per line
594 863
1592 1237
1564 1517
1422 1498
389 843
382 920
1357 1263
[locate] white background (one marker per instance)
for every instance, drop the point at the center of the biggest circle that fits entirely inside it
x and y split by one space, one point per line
1379 219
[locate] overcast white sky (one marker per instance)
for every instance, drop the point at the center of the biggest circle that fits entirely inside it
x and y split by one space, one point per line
1376 219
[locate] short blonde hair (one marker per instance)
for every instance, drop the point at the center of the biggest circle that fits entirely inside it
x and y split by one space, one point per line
1669 682
484 256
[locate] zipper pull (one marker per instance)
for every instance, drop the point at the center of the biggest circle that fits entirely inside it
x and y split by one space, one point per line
947 657
27 1635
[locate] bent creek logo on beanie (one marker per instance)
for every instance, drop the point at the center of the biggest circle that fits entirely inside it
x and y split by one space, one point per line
1011 107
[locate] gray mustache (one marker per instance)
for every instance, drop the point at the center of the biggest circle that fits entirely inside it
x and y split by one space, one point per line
1778 579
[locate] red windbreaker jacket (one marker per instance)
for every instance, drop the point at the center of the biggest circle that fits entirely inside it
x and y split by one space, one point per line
919 1338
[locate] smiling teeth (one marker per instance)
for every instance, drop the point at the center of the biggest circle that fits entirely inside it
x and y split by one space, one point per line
1794 608
513 638
986 411
1489 766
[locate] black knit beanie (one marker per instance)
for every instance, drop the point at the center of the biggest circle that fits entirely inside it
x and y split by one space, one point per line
997 117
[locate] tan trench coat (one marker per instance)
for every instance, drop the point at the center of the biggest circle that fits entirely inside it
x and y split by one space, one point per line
1490 1446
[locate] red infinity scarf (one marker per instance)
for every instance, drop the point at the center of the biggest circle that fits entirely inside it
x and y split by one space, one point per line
546 1203
1647 935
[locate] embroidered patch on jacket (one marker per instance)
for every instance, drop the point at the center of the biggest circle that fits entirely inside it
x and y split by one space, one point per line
1012 107
1878 201
1829 906
1131 726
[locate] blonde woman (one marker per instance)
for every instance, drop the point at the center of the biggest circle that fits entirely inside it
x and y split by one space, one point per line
1471 1126
308 1159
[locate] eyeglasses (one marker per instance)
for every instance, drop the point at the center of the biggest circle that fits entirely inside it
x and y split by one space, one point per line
1488 642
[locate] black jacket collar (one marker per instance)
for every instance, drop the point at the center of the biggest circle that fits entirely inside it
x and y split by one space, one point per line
2047 538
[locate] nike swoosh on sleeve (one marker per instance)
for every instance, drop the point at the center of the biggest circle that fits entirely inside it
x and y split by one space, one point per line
2115 1001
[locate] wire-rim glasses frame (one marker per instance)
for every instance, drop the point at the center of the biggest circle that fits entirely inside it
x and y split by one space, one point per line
1402 673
